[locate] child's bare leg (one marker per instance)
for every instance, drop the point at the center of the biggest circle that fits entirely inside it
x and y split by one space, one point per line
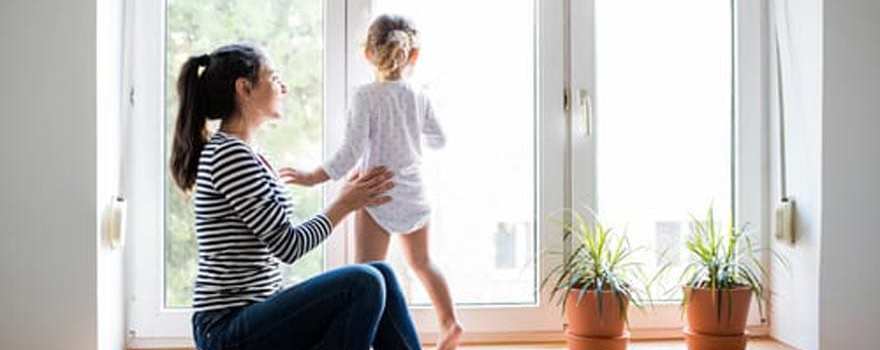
371 241
415 248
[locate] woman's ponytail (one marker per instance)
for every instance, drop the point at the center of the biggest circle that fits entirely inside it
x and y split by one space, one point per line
206 89
190 132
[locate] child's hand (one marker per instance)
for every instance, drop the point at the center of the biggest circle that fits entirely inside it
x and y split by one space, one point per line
293 176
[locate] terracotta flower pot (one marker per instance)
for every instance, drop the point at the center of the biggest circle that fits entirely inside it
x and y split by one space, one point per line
587 330
595 343
708 329
702 310
697 341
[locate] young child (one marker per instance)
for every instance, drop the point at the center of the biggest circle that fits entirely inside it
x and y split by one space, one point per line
387 122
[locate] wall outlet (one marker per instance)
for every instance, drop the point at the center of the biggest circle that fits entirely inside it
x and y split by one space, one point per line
784 217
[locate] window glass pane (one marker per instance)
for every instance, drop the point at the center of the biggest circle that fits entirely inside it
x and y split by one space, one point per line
291 32
663 119
477 63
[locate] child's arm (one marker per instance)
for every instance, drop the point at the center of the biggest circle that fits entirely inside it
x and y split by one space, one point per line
293 176
434 136
357 132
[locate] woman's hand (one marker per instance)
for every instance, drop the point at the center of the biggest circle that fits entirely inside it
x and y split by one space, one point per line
361 189
293 176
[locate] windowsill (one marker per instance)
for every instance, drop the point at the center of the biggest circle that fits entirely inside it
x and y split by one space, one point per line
756 344
669 338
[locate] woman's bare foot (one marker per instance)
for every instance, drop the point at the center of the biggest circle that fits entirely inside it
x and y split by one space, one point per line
449 337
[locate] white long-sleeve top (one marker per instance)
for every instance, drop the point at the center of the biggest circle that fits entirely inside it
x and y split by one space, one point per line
387 124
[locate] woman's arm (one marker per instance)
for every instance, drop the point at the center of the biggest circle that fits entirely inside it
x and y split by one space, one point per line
238 175
361 190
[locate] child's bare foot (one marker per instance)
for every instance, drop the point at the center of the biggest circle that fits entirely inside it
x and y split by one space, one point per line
449 337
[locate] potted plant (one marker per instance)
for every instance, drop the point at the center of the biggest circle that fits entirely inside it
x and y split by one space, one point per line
595 284
719 283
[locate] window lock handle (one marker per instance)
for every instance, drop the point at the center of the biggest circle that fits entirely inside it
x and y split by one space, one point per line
586 103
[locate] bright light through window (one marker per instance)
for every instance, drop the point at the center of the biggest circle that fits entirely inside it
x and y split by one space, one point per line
477 62
291 32
663 120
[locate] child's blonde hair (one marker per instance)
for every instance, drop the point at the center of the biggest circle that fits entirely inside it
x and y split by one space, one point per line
391 39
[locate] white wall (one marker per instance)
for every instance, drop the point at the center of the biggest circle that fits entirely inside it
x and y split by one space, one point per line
849 306
53 177
795 309
827 299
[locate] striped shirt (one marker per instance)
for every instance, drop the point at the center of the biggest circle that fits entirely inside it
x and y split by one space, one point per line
243 227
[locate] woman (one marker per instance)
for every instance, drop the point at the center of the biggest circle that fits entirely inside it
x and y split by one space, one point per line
243 227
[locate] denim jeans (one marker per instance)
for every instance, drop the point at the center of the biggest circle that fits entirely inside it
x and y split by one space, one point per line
350 308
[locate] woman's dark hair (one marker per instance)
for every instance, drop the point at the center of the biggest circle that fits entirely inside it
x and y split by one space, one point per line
206 88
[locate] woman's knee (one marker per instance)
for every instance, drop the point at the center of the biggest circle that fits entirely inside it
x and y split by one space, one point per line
392 287
366 277
382 267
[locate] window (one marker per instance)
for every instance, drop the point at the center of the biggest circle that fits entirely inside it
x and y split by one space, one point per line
318 45
669 155
292 33
661 94
666 122
487 86
491 148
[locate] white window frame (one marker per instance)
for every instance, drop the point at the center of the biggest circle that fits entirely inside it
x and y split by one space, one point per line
749 140
151 325
505 322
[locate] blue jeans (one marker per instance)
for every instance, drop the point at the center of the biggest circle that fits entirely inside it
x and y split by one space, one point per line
350 308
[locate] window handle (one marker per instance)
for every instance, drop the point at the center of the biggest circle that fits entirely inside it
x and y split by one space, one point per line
586 103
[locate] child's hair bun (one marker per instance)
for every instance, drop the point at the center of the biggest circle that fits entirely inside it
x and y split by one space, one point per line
398 37
391 40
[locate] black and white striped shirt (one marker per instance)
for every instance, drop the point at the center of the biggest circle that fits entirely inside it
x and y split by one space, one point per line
243 227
